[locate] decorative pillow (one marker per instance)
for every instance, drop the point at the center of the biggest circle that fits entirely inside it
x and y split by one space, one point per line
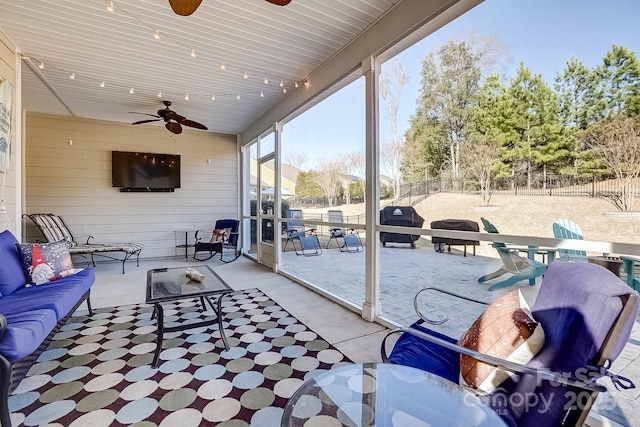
506 330
220 235
44 262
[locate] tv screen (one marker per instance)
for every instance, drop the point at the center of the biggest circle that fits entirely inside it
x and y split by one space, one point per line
145 171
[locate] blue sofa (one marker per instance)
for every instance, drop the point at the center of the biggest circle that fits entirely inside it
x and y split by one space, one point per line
30 315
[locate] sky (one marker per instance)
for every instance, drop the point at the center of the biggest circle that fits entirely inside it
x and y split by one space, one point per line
543 34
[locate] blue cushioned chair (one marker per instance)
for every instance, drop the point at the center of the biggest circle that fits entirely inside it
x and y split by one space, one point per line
305 241
586 313
350 240
205 243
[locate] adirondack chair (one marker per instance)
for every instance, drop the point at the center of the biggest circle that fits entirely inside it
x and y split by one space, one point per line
521 268
567 229
629 265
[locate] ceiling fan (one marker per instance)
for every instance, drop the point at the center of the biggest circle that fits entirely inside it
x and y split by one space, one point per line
173 120
187 7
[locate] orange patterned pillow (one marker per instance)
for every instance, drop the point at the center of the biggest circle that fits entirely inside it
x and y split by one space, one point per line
506 330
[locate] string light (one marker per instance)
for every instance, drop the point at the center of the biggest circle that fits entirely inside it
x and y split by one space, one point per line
41 66
72 76
156 35
186 98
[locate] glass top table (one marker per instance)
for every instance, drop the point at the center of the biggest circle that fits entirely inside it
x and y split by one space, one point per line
381 394
173 284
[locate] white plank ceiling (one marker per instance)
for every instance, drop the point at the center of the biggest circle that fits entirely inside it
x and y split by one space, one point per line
282 44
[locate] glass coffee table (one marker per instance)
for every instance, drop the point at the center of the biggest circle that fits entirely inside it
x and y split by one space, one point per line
173 284
382 394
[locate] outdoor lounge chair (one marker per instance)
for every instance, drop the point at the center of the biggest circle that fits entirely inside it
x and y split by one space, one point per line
584 315
629 266
350 240
521 268
567 229
54 229
305 241
223 236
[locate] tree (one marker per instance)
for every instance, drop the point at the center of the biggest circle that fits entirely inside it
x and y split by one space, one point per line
306 186
619 83
478 156
616 140
425 149
394 77
451 78
354 164
328 177
296 159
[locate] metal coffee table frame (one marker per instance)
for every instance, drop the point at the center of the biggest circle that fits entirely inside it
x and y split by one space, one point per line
177 286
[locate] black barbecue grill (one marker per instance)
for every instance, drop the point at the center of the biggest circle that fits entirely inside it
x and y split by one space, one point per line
400 216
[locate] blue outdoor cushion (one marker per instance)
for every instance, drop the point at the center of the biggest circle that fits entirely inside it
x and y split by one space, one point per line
25 332
59 295
421 354
12 275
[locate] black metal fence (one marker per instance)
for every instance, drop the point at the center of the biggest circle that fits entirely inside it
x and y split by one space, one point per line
604 186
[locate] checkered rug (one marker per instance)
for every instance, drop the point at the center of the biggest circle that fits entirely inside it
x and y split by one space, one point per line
97 372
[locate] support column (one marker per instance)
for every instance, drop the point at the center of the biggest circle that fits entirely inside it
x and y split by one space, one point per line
371 304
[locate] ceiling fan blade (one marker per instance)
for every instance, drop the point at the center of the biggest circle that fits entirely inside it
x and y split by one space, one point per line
184 7
280 2
146 114
174 127
193 124
145 121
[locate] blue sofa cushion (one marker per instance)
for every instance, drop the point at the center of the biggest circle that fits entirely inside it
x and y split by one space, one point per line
421 354
25 332
12 275
60 295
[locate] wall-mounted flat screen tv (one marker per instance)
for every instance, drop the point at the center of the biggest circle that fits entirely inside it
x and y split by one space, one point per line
145 171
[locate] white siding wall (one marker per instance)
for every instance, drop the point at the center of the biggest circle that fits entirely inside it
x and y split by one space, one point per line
74 181
8 72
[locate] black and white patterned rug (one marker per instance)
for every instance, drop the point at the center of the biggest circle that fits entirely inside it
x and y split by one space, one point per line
97 370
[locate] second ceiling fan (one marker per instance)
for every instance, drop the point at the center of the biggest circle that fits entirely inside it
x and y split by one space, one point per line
187 7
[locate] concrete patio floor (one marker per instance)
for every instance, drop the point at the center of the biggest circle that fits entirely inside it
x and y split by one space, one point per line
403 272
